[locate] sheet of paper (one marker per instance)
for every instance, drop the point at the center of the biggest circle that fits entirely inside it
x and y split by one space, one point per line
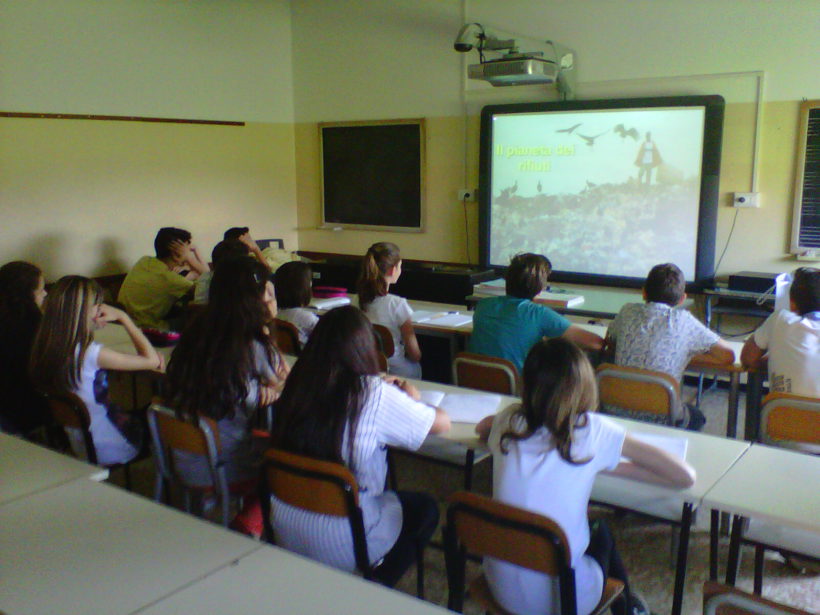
329 303
425 315
470 407
432 397
451 320
671 444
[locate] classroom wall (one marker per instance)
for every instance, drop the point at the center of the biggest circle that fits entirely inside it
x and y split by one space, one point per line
85 196
367 59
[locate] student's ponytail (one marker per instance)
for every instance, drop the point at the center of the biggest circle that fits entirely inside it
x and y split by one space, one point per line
377 262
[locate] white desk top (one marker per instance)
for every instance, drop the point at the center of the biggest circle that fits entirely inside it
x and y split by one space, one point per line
85 547
272 580
771 484
27 468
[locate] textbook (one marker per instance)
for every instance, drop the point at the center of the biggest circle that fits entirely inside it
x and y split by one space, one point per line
463 407
554 297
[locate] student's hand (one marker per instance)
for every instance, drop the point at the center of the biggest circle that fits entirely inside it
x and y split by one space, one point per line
248 240
107 313
181 250
483 427
268 393
161 366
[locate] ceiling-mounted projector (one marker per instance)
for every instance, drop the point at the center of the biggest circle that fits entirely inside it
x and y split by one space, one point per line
514 67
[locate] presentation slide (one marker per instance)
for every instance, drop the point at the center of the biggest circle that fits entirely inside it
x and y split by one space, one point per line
610 192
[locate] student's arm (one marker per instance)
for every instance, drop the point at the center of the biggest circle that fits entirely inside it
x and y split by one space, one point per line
147 358
187 253
651 464
484 427
583 338
752 356
441 423
720 354
254 248
411 344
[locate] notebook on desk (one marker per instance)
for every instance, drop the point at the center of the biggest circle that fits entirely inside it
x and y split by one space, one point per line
554 297
463 407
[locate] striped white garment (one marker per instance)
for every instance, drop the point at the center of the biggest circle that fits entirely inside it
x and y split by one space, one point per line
389 417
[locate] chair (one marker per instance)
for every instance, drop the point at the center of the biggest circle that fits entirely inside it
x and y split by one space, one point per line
482 526
793 422
722 600
323 487
70 412
485 373
287 337
639 390
384 340
198 436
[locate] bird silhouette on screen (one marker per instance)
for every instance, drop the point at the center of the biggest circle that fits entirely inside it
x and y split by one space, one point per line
539 186
632 132
591 140
514 187
568 130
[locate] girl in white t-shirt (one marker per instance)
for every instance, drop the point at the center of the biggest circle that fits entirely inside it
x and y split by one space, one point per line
546 454
293 294
381 267
65 358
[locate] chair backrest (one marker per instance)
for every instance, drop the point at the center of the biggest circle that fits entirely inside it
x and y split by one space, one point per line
317 486
791 421
69 411
383 365
485 527
493 374
384 340
640 390
287 337
724 600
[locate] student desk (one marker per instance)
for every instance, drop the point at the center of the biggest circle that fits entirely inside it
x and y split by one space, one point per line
26 469
85 547
272 580
776 487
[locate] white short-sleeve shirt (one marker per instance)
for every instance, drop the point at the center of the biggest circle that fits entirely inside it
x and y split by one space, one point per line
389 417
302 318
792 343
110 445
532 475
392 312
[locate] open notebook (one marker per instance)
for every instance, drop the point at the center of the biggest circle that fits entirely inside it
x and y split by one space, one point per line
675 445
464 407
442 319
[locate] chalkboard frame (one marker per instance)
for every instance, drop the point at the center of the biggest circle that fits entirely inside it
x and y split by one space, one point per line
809 129
370 137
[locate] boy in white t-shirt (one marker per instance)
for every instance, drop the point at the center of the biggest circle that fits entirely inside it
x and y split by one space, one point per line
789 340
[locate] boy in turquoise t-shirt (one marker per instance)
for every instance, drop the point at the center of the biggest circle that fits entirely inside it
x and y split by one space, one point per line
508 326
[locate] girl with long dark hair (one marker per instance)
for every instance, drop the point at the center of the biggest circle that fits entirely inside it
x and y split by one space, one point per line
226 365
22 291
336 407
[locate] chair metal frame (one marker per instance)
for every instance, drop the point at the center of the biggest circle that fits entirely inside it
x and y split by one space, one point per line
549 551
665 382
775 431
163 459
716 596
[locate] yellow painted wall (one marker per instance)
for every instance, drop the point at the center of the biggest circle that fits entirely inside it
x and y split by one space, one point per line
84 196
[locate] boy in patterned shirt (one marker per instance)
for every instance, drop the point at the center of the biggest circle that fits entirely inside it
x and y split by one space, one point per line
656 335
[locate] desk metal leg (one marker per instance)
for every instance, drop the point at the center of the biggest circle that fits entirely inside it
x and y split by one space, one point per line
733 564
734 402
754 393
714 531
683 553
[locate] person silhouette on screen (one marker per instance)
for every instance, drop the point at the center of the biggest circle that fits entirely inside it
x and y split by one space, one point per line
648 158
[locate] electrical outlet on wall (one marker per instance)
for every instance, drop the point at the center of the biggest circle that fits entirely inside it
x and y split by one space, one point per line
746 199
465 194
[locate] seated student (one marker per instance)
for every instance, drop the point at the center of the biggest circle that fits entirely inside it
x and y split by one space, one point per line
336 407
228 248
293 294
155 284
508 326
381 267
789 340
243 234
547 451
654 335
22 290
65 358
226 366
